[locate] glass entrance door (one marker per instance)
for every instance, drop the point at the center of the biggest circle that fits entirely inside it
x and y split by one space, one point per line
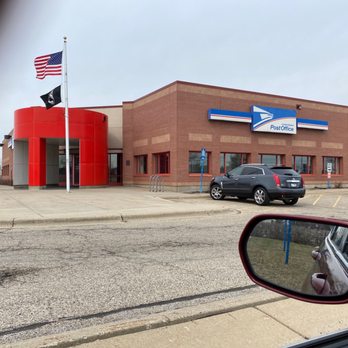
115 168
74 170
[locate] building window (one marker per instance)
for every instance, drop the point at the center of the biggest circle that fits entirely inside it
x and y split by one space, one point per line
228 161
141 164
302 164
334 163
161 163
195 162
271 160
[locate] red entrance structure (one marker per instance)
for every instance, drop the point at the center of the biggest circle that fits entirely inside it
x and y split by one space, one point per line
38 134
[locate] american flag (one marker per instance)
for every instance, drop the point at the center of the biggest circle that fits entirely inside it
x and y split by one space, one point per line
50 64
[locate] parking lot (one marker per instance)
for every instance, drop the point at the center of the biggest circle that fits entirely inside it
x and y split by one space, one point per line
317 202
327 198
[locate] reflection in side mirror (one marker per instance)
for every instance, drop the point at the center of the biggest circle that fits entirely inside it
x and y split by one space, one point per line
304 257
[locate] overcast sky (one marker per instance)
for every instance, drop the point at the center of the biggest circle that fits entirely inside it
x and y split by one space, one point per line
120 50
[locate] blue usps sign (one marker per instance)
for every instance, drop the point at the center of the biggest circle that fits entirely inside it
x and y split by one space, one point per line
267 119
273 120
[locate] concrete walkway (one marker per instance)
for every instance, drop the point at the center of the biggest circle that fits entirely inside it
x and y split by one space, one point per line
20 207
264 319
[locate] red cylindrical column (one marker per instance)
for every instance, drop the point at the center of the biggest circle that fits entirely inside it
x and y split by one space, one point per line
37 162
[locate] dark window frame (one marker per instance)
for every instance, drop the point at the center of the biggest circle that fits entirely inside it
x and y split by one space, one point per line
336 168
281 158
195 168
158 166
242 160
309 164
141 164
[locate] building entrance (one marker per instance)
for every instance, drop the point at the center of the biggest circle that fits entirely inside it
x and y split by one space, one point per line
115 168
74 169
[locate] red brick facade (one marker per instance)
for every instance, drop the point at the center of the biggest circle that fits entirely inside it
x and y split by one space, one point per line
175 120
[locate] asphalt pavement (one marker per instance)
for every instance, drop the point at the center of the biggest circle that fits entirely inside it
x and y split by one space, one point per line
264 319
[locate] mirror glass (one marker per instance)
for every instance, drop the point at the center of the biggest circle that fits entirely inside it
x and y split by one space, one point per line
302 256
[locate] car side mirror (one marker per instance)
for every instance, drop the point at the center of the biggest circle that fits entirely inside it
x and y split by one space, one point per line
298 256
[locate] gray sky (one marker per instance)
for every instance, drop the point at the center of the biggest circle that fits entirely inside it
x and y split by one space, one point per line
120 50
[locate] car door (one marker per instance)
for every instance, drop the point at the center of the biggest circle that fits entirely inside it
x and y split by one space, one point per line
230 180
246 181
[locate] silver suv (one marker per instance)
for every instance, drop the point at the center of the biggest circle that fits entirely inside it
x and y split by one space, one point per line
260 182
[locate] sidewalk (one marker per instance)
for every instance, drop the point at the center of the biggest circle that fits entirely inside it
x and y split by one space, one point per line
262 320
21 207
93 205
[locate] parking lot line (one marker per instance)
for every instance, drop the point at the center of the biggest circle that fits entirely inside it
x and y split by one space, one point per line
317 200
337 200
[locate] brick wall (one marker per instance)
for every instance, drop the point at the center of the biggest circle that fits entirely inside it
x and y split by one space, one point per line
175 119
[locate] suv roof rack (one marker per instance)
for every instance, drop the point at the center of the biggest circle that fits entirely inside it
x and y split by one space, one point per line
254 164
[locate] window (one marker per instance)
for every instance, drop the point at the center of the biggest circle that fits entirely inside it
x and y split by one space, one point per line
195 162
339 238
161 163
334 162
271 160
302 164
236 171
141 164
228 161
252 171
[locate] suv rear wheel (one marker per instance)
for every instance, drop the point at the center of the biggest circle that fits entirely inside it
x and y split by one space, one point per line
216 192
261 196
290 201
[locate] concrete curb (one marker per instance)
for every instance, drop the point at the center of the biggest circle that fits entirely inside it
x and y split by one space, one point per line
19 222
101 332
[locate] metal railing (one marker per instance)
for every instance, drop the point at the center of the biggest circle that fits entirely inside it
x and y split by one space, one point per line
156 183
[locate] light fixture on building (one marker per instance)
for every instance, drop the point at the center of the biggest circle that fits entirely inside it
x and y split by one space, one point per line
298 106
7 136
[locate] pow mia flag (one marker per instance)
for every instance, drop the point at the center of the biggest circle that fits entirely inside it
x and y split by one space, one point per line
52 98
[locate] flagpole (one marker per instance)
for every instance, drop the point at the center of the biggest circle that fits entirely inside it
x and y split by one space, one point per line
67 148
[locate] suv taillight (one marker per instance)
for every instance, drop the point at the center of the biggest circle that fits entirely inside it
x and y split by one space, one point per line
276 179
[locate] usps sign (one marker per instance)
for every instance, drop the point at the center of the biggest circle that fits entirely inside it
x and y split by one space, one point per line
273 120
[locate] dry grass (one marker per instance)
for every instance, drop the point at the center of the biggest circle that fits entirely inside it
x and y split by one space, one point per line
268 260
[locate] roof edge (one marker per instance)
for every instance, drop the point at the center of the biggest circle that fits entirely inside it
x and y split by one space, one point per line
201 85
